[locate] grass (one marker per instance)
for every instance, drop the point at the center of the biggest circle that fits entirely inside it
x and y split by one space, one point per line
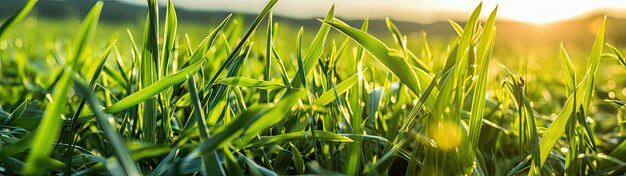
338 100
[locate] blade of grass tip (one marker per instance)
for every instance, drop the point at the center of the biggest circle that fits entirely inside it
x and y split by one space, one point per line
17 113
283 74
594 60
235 52
48 129
315 50
380 51
572 163
149 71
119 148
171 23
329 95
19 16
79 109
479 98
557 128
268 57
570 82
298 162
457 28
463 57
302 71
87 29
618 54
209 159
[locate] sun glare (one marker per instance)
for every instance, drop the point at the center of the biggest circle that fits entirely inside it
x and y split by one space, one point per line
541 11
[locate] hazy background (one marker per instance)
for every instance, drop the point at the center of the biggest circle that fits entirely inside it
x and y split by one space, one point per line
523 27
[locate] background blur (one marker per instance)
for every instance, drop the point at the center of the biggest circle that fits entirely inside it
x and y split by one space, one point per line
530 26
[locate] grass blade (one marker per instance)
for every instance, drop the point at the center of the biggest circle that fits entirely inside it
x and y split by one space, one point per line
7 25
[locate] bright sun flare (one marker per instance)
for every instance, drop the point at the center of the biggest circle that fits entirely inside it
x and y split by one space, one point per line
541 11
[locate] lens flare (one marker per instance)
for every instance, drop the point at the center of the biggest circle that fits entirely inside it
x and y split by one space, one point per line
447 135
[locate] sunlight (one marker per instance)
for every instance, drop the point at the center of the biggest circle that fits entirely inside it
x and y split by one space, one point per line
537 11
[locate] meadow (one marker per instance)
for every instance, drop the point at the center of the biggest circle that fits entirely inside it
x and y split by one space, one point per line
261 97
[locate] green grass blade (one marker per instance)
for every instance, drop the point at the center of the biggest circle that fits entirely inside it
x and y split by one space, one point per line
570 82
49 128
618 55
209 159
119 148
87 29
153 89
479 99
556 130
342 87
268 56
315 50
235 52
298 162
594 60
301 70
19 16
376 48
171 23
17 113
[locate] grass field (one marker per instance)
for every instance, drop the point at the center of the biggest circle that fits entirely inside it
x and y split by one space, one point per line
267 98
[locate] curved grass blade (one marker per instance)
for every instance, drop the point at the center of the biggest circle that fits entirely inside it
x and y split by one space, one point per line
17 113
381 52
49 128
153 89
19 16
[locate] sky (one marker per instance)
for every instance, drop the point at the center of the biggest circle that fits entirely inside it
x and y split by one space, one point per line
420 11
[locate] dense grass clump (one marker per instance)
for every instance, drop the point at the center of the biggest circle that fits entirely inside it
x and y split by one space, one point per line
242 101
